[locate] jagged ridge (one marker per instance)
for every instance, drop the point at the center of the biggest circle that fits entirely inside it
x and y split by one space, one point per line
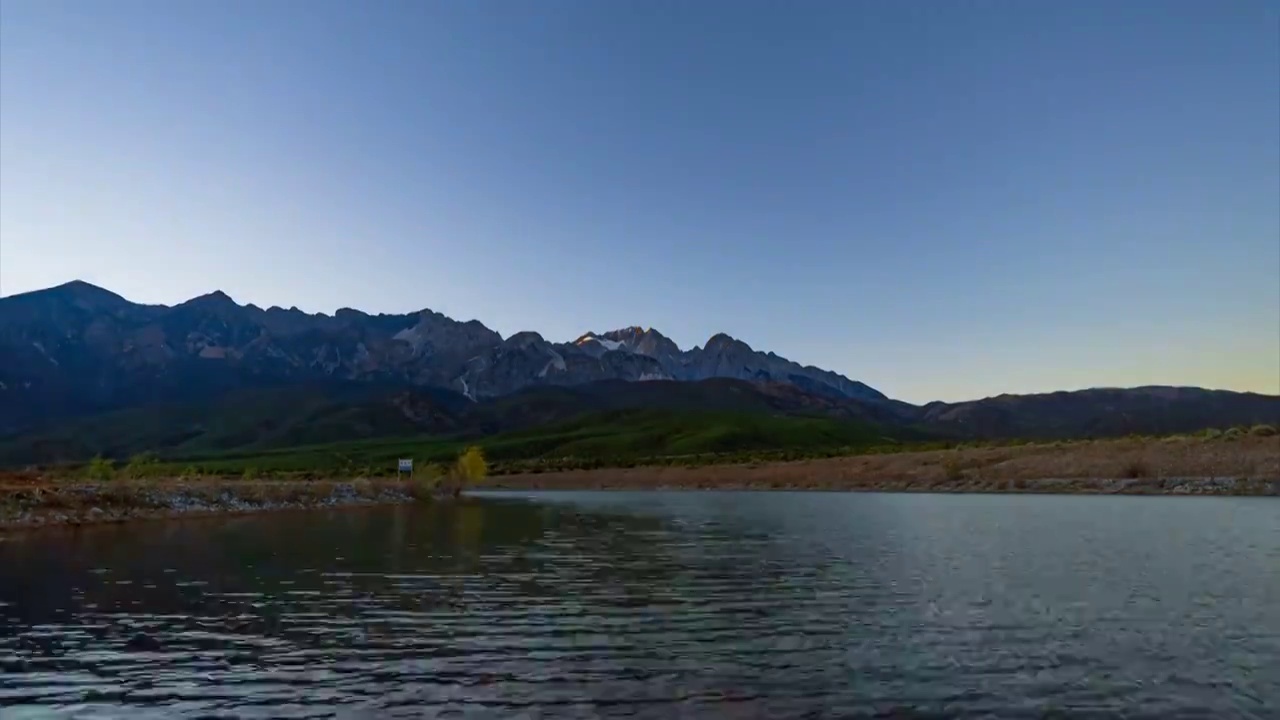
723 356
77 349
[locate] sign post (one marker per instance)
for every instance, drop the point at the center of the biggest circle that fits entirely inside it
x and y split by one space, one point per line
405 465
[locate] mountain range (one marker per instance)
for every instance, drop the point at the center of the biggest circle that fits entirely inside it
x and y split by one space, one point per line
77 354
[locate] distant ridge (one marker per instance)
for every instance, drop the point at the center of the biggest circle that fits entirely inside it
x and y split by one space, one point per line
83 370
78 349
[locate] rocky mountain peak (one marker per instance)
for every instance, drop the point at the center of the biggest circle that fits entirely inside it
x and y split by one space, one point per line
524 339
632 334
437 334
75 294
217 298
82 289
598 343
634 331
216 303
478 326
721 342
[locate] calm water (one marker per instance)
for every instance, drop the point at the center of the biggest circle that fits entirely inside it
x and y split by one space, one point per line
657 605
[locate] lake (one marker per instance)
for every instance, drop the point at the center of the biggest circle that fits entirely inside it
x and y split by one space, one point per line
656 605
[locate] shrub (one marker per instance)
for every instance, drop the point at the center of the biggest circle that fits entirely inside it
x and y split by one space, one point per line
142 465
250 473
468 468
100 468
426 481
1211 434
1263 430
471 466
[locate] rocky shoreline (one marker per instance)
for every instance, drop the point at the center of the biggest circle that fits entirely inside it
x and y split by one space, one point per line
81 503
619 480
88 503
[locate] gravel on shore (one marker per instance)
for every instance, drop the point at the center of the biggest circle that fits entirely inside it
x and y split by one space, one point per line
616 480
89 503
76 503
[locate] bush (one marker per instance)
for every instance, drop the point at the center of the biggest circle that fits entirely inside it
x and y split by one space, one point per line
425 482
952 471
142 465
100 468
471 466
468 468
1211 434
1263 430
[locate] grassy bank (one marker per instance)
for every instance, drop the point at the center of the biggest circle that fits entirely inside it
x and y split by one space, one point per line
620 438
1212 463
623 439
1218 463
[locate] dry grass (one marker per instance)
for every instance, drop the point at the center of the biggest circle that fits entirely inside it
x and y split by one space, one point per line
1250 456
1238 463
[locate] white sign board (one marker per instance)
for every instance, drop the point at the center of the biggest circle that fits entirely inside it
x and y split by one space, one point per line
406 465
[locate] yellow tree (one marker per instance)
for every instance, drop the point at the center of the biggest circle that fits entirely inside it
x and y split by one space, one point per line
471 465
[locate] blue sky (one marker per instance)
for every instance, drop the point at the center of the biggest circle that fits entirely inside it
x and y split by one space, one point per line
946 200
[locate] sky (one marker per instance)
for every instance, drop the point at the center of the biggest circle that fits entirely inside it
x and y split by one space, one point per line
943 199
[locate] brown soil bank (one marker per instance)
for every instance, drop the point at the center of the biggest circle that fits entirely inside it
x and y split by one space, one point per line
1247 465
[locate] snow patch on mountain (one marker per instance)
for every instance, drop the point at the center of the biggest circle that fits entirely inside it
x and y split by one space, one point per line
557 362
605 342
44 352
414 335
721 356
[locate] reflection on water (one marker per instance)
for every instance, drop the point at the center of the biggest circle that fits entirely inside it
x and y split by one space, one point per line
660 605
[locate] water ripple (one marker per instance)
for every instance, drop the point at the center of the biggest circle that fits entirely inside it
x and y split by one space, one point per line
575 607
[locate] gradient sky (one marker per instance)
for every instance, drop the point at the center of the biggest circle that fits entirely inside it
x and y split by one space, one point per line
944 199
